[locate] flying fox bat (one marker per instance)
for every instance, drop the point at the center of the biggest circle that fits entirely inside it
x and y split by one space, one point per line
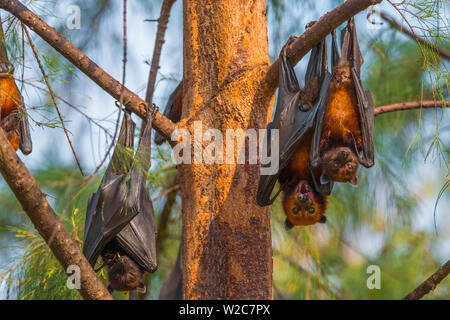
344 129
13 117
172 110
294 117
119 217
322 130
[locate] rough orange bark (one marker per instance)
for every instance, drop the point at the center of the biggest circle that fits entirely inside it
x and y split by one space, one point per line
227 250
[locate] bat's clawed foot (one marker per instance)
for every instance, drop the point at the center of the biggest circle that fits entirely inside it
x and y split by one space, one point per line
310 24
289 42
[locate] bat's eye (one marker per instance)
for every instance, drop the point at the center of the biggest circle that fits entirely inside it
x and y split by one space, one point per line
336 164
311 210
295 210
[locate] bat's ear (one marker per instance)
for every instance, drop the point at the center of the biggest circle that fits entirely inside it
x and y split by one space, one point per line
324 179
142 288
322 219
288 225
354 181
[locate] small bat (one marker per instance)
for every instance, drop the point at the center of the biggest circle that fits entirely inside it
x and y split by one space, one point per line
172 110
13 116
294 117
172 287
119 217
345 128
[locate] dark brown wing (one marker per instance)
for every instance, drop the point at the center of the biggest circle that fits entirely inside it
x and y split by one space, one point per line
106 213
350 51
138 238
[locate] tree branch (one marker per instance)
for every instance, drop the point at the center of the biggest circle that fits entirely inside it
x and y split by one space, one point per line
313 35
429 284
159 41
131 100
411 105
49 226
441 51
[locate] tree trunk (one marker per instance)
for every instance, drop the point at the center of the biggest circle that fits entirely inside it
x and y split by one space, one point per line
227 251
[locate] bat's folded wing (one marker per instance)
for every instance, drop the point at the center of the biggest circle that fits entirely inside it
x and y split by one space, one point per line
106 215
138 238
107 211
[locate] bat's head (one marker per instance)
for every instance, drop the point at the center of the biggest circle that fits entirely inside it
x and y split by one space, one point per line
124 274
340 165
303 206
342 72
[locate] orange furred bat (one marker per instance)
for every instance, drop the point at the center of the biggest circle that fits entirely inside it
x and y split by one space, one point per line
347 123
294 117
322 130
13 118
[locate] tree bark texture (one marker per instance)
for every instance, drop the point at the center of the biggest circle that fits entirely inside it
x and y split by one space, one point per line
227 251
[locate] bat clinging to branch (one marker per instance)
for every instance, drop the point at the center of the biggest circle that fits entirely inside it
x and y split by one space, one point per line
344 129
294 118
13 117
322 130
119 218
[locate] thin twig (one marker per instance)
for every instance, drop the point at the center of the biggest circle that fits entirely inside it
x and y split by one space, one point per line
159 41
411 105
162 194
429 284
110 85
52 95
124 61
444 53
90 119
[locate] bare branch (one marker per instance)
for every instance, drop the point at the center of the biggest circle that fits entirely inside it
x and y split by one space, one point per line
159 41
411 105
35 205
429 284
441 51
162 26
313 35
131 100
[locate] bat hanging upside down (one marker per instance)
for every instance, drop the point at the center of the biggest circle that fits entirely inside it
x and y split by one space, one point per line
13 118
347 127
120 223
322 130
